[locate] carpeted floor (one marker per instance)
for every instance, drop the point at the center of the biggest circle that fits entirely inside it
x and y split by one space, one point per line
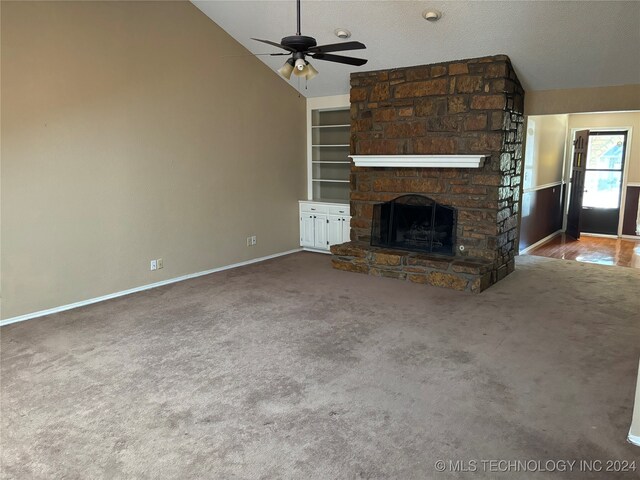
289 369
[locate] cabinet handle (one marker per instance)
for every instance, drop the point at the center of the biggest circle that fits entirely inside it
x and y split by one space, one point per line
313 209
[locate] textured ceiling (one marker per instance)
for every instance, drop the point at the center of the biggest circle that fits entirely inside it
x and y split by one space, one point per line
551 44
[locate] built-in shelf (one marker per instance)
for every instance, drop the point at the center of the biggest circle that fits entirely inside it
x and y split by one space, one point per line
328 134
419 161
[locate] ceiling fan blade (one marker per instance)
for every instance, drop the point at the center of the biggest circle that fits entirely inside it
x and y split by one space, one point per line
269 42
337 47
339 59
253 55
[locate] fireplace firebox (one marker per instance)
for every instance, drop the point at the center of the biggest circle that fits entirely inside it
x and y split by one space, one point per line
415 223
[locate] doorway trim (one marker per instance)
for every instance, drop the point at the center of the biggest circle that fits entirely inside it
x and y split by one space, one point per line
625 170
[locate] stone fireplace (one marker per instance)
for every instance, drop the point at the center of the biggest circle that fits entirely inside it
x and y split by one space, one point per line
448 138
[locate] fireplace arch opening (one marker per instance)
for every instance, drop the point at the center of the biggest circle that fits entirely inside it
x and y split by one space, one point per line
415 223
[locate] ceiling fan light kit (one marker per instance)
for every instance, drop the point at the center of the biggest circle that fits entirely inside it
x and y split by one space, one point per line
311 72
301 46
300 65
287 69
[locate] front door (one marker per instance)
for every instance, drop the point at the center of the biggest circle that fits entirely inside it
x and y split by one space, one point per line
580 149
603 182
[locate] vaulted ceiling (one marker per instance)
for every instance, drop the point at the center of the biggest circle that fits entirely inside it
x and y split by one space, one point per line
552 45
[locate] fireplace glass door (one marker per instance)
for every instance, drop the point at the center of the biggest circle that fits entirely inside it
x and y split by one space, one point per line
415 223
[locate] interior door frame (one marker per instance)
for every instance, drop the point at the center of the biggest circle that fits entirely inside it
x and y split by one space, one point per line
625 170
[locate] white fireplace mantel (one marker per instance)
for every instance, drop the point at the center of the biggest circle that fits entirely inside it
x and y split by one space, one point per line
419 161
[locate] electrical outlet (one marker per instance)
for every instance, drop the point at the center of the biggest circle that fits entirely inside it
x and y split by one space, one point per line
154 265
248 241
254 240
159 263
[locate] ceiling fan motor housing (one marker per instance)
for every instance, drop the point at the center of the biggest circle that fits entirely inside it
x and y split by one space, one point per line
299 42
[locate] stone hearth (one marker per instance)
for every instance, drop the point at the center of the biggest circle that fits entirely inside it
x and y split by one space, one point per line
472 275
466 107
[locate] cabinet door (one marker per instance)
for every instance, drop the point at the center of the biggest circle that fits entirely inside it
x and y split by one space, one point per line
334 229
346 229
320 231
307 228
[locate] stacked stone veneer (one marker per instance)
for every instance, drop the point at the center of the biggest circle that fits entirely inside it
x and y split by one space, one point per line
470 106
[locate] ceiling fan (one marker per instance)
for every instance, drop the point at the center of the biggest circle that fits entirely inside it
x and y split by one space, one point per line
300 46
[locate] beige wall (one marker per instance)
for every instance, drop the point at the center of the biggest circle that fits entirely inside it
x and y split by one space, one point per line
544 152
578 100
127 136
614 120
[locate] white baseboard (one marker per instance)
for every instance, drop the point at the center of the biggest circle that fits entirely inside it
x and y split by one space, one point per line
630 237
603 235
82 303
540 242
316 250
634 430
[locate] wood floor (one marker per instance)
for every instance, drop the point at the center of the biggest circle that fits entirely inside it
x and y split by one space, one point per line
601 250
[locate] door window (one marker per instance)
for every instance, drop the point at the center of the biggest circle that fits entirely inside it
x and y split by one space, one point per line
603 174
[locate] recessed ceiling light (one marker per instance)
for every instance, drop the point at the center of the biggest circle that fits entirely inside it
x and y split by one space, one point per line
432 15
342 33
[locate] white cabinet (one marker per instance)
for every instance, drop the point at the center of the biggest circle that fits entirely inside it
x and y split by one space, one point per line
324 218
307 230
320 231
346 229
334 225
323 225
